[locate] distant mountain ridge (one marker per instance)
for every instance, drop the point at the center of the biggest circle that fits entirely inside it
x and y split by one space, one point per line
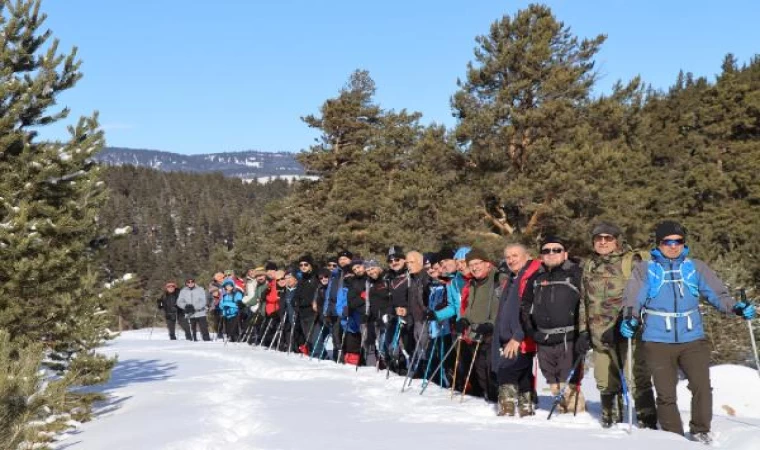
248 165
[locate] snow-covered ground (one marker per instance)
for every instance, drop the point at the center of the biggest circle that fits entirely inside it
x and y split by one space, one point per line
178 395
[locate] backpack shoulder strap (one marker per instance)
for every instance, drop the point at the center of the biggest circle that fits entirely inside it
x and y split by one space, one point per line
632 258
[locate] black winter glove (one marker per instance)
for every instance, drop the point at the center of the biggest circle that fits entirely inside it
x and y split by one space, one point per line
610 337
189 309
461 325
430 316
583 343
484 329
240 304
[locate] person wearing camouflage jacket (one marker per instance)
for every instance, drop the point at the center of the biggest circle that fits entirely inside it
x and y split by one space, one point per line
604 279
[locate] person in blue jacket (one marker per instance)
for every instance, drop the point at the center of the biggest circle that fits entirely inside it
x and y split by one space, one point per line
229 306
664 294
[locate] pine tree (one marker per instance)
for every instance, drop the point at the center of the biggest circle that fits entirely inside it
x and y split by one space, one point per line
49 199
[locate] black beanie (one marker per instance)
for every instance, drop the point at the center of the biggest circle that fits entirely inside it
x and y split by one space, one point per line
667 228
553 240
307 259
270 266
346 253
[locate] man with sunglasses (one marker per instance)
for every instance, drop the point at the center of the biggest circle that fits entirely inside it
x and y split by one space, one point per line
551 307
605 275
398 280
336 286
304 297
664 295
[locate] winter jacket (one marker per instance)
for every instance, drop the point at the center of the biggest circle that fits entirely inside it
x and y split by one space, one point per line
665 293
379 299
336 283
419 291
437 301
551 304
509 321
604 281
168 302
253 292
399 283
454 289
306 290
228 300
483 304
271 299
195 296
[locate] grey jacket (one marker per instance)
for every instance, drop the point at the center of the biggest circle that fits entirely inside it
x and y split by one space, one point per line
195 296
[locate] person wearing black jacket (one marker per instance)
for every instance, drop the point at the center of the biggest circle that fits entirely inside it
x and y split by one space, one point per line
168 303
375 343
551 304
303 302
398 280
358 287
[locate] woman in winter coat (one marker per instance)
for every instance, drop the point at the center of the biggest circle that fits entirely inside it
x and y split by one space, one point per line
229 305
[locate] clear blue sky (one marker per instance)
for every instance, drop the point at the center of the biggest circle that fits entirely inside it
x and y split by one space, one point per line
228 75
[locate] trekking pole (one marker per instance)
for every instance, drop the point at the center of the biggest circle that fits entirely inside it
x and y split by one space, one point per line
440 366
421 355
155 316
307 338
361 347
430 360
442 379
224 331
416 358
743 296
629 357
342 343
456 366
268 321
558 397
318 340
577 394
469 372
394 347
277 332
292 330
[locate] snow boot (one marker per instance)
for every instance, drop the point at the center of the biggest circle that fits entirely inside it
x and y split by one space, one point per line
525 404
610 412
507 397
704 438
557 389
573 390
647 421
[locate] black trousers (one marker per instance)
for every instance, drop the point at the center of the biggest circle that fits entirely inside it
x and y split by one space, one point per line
232 328
201 322
481 379
171 323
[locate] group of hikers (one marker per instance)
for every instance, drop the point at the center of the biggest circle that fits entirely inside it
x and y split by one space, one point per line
457 318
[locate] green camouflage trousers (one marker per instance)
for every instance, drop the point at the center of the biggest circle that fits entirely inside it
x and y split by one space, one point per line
607 374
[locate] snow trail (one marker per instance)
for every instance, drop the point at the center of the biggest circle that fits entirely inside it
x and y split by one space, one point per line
178 395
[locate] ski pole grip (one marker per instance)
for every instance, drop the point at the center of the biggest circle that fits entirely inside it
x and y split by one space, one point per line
629 312
743 296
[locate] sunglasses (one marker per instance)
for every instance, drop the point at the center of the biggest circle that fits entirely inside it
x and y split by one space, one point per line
304 264
672 242
604 238
395 259
332 265
324 278
548 251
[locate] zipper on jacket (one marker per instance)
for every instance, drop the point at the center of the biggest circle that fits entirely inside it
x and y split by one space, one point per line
675 302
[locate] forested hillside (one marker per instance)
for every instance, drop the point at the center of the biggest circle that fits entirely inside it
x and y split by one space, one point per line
180 224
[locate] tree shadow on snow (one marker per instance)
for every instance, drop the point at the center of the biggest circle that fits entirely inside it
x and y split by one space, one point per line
131 371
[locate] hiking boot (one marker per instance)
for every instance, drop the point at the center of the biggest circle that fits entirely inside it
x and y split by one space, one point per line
507 397
609 412
704 438
558 390
574 399
525 404
647 421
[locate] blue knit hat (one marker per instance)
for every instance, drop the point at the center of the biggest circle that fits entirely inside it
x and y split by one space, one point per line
461 253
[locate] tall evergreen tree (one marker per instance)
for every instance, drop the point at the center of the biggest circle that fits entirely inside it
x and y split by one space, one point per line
49 199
